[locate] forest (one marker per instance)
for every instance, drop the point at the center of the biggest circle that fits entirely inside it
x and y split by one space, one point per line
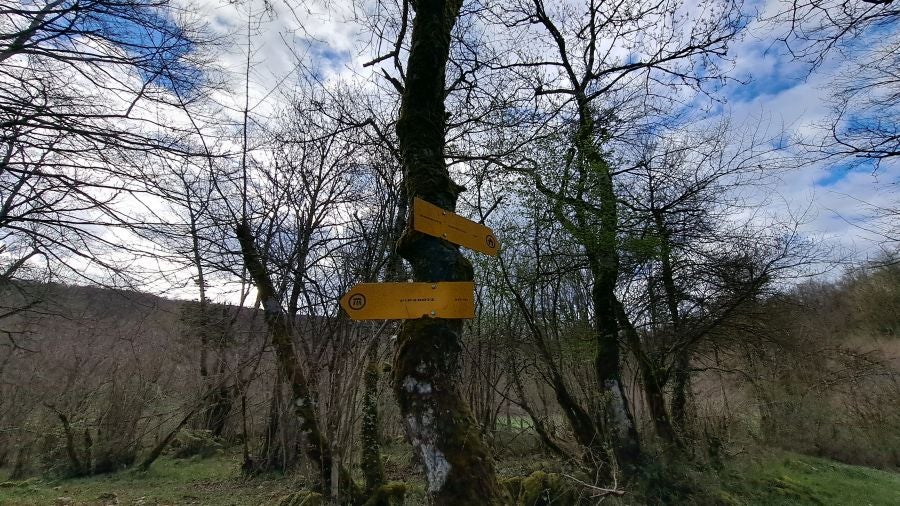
449 252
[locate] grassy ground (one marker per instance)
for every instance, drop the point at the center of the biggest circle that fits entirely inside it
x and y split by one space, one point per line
788 479
776 479
215 480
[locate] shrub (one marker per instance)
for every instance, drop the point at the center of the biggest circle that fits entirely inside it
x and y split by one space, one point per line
191 443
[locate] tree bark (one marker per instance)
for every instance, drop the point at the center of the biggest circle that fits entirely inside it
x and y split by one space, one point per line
439 424
88 452
615 416
373 469
74 461
161 446
273 455
280 328
682 361
681 387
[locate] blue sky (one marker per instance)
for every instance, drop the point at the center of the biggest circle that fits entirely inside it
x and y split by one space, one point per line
768 86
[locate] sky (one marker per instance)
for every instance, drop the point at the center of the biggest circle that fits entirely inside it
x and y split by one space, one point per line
839 194
835 198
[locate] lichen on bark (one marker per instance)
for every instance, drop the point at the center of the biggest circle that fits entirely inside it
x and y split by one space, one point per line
439 424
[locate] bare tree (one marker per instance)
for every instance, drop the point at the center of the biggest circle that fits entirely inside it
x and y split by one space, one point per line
864 92
585 91
86 98
811 29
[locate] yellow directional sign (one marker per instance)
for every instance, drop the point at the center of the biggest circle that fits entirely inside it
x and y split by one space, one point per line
432 220
408 301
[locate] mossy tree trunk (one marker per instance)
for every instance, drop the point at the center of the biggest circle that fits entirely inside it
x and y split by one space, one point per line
280 329
426 368
596 230
373 469
75 465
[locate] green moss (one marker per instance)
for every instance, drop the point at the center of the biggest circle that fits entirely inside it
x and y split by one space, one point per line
544 489
372 466
190 443
512 485
392 493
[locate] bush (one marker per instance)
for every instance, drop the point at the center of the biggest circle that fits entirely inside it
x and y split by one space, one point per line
190 443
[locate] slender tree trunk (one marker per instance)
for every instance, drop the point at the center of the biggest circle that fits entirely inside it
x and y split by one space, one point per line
20 463
539 427
682 375
616 417
88 452
247 466
680 388
74 461
221 399
653 381
280 328
585 428
373 470
273 455
426 367
161 446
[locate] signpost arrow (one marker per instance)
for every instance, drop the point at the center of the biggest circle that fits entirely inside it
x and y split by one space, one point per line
408 301
432 220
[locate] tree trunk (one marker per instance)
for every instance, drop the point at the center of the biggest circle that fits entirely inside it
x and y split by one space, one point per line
274 455
220 400
682 360
439 424
280 328
373 469
20 464
681 387
585 428
88 452
74 462
161 446
653 381
616 417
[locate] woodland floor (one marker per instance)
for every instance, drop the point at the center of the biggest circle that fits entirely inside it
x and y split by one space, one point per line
778 478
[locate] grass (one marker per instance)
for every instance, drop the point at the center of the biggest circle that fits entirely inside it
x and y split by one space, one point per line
215 480
775 479
790 479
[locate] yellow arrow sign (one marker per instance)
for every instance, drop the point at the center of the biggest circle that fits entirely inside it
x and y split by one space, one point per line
408 301
432 220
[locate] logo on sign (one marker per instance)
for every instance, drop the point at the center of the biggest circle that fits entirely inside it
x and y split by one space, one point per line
490 241
357 301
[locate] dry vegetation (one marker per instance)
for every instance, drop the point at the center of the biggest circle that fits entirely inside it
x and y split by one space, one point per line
97 378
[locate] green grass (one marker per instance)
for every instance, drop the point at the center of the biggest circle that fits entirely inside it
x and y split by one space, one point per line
215 480
790 479
773 480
